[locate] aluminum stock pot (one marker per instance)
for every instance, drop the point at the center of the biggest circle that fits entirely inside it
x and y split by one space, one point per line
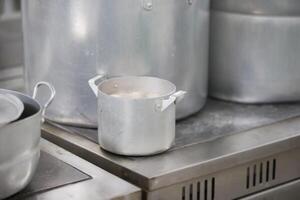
255 50
67 42
19 144
136 114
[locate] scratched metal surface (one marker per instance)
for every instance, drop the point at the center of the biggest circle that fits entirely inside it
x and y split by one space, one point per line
217 119
51 173
221 118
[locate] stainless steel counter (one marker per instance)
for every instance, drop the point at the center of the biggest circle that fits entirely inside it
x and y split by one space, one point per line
78 179
226 151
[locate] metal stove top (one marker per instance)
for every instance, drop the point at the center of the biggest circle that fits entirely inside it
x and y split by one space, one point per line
226 151
62 175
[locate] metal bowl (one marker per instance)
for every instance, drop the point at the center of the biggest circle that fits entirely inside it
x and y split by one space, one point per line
19 146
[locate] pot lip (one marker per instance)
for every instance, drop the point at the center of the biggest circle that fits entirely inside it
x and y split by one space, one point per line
172 91
30 117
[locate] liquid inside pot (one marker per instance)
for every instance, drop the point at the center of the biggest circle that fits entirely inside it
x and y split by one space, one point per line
134 95
137 87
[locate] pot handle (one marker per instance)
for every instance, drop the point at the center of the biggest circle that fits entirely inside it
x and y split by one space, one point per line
93 83
174 98
52 95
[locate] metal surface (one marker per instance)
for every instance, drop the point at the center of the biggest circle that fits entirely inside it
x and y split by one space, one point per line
136 114
286 191
51 173
68 42
223 139
102 185
11 108
19 145
255 50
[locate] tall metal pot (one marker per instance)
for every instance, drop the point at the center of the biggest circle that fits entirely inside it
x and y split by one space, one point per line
68 42
255 50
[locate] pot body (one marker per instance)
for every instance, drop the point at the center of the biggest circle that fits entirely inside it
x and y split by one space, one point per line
68 42
255 50
136 126
19 148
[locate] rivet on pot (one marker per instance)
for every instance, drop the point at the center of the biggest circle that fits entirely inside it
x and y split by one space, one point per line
158 107
148 5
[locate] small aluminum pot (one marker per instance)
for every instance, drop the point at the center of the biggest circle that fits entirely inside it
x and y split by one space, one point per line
136 114
19 144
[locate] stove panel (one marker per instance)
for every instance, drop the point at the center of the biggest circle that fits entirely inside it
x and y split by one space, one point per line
236 182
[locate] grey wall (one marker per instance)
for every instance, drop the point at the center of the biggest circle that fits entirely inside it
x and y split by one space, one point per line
11 45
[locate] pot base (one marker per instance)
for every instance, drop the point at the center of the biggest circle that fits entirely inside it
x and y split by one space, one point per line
16 175
136 155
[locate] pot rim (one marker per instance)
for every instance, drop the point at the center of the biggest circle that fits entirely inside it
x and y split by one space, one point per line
30 117
172 90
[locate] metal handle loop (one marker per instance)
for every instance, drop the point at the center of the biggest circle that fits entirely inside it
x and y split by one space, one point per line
93 83
173 99
52 95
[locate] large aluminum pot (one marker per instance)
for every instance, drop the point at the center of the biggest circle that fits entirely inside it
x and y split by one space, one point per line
255 50
68 42
136 114
19 145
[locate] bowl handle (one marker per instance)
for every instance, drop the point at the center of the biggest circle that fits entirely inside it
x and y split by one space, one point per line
52 95
93 83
